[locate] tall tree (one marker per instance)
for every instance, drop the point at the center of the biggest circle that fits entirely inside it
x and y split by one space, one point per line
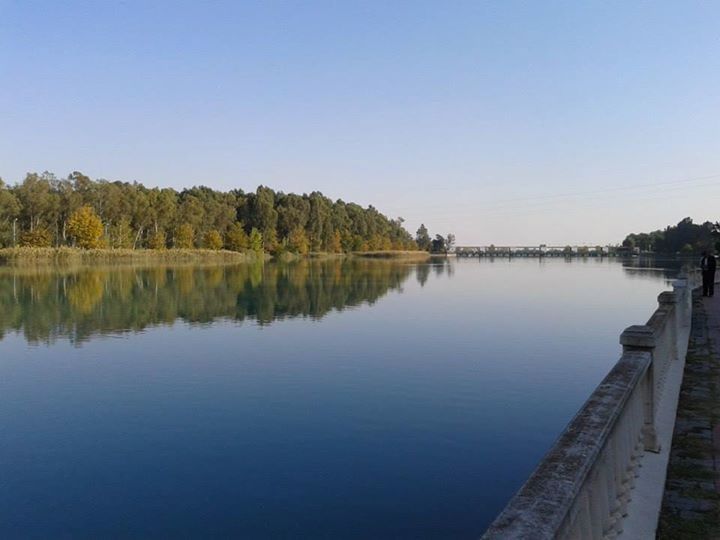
9 212
422 238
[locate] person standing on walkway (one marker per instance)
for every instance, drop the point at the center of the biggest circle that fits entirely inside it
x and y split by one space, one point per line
708 265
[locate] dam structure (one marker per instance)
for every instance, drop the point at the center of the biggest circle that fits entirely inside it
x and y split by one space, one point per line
542 251
604 477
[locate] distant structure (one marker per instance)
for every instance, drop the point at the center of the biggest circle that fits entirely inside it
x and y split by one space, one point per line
543 251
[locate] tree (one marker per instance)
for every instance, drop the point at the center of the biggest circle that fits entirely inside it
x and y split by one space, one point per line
38 200
298 241
336 243
86 228
422 238
265 215
256 240
293 212
121 234
236 238
157 240
449 242
9 212
213 240
38 237
270 240
438 244
185 237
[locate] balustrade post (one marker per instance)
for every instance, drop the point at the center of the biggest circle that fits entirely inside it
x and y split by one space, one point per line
642 338
668 302
683 295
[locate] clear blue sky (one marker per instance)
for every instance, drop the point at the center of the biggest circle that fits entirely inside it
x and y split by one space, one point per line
504 122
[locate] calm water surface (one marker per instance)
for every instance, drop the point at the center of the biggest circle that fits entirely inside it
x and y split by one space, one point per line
317 399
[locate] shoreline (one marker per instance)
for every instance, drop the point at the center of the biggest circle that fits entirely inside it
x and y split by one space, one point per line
23 256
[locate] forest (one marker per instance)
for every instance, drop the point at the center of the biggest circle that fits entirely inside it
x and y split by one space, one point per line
685 237
46 211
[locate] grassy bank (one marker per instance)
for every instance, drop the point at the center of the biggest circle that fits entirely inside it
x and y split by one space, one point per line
75 256
65 255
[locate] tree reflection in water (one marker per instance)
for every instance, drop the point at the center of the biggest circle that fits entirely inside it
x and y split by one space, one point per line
77 304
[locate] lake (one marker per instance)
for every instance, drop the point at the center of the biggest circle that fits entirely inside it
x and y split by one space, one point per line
322 399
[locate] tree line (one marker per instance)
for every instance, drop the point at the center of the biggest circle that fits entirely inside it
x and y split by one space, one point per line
685 237
46 211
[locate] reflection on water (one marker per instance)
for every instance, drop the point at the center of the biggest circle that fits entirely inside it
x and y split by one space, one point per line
80 303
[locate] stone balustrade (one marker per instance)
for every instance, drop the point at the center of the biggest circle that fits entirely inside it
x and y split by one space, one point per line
583 486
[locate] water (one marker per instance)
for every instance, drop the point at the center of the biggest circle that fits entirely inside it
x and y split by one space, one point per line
361 399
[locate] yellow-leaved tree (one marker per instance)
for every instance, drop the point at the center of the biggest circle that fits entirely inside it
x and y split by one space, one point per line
86 228
157 240
213 240
185 237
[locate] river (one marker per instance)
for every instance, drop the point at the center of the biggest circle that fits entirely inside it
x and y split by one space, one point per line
319 399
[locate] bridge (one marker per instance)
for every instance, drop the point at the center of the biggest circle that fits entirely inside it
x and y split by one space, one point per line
540 251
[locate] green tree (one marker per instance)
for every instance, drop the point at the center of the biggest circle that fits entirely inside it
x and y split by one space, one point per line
9 212
39 202
422 238
121 234
86 228
298 241
438 244
256 240
236 239
266 216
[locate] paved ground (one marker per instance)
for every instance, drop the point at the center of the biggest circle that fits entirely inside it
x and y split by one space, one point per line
691 505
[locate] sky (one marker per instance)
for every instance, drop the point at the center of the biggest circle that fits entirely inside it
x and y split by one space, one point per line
521 123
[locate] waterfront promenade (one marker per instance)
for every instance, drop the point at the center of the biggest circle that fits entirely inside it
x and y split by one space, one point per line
691 503
605 476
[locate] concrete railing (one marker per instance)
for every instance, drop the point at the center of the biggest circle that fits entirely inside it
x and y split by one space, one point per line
582 487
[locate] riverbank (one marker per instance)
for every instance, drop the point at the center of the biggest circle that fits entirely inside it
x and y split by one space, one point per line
67 255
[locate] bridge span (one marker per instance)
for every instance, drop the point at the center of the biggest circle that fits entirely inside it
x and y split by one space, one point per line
540 251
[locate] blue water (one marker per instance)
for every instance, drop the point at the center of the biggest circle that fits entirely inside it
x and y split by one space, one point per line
317 400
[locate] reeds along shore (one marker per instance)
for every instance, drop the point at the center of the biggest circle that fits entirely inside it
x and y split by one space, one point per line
67 255
61 255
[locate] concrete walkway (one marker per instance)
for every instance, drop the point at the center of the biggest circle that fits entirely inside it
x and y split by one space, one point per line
691 504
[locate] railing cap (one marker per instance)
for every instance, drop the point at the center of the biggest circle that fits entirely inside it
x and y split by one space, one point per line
667 297
542 507
638 336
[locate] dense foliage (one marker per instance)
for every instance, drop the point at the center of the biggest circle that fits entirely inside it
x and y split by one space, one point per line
44 210
685 237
